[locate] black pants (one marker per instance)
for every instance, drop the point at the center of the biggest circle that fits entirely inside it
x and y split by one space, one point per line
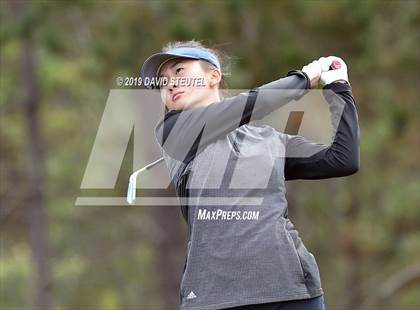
316 303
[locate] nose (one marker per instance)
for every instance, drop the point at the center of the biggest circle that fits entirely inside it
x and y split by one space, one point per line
172 84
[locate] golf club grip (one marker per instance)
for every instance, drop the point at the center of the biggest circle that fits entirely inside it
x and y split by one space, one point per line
335 65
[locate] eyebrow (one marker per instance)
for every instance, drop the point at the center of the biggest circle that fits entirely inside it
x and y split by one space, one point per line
177 62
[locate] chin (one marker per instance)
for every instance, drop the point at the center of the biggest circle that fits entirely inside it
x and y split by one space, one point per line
177 106
183 104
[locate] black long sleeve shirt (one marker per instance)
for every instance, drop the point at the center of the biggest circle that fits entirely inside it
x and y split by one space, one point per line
341 158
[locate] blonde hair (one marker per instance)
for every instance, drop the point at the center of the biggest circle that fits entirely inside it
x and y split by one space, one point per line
223 59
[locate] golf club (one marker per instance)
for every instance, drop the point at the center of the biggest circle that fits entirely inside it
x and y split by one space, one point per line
132 184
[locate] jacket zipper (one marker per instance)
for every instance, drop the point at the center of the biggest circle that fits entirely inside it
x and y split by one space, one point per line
234 144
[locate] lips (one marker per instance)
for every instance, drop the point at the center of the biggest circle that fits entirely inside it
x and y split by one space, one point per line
176 95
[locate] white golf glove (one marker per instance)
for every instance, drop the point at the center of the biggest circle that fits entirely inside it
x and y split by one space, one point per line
313 70
333 69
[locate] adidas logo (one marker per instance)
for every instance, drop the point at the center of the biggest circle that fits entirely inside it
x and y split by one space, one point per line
191 295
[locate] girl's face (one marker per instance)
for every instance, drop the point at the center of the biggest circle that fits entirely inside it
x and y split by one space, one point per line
189 83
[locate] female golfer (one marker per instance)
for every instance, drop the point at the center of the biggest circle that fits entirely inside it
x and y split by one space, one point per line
243 252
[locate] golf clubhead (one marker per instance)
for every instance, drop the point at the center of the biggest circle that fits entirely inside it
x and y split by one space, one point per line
132 183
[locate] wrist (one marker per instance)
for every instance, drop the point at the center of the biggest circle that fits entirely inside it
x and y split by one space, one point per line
302 74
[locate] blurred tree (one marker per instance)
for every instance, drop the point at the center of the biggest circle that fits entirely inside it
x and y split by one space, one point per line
35 202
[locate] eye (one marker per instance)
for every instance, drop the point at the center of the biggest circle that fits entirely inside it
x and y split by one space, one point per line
178 70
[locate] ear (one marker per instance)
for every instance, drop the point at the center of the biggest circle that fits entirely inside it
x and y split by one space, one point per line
215 77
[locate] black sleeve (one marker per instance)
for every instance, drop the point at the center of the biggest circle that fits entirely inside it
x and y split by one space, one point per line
341 158
184 133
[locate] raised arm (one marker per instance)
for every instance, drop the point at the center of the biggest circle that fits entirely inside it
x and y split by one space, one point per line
184 133
341 158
